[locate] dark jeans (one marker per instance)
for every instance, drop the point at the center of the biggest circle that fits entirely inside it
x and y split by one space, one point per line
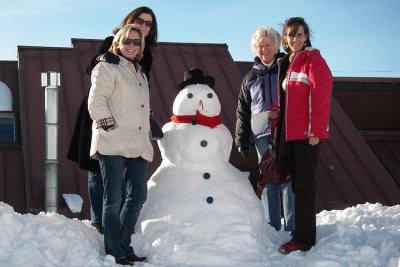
119 225
303 185
96 190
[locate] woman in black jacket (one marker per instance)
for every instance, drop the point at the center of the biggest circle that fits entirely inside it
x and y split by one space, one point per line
144 18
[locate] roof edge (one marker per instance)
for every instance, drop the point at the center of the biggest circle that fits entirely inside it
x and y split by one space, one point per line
20 47
73 40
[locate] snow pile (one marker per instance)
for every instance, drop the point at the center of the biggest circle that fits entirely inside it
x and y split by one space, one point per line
365 235
47 240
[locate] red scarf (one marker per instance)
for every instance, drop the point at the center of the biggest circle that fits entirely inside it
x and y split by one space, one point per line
197 119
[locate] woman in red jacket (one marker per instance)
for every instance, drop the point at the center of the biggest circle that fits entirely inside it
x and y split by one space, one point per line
305 83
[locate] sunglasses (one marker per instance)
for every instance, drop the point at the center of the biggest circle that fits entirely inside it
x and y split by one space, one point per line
135 42
140 21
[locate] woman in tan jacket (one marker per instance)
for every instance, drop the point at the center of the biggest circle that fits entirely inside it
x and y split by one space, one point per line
119 105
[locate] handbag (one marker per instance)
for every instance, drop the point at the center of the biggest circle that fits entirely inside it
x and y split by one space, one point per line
156 131
268 166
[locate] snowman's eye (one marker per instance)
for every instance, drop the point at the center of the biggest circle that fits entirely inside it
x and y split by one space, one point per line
190 95
210 95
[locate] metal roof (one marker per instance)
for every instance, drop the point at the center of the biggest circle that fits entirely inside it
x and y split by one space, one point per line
349 172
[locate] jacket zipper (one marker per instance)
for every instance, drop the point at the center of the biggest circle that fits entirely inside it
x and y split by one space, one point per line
263 88
288 75
269 84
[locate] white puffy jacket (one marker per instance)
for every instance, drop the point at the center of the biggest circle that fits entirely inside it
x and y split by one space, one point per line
119 95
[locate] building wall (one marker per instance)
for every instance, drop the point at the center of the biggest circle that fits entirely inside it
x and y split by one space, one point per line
12 179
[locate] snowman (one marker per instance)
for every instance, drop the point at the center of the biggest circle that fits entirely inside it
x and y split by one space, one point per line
198 203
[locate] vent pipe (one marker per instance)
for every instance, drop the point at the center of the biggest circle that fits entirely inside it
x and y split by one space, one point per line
51 80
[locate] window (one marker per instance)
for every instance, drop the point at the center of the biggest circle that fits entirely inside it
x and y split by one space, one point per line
8 133
9 119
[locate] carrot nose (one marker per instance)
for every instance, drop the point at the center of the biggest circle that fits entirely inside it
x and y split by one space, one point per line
201 104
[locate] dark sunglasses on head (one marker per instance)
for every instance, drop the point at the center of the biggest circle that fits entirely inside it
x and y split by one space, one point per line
135 42
140 21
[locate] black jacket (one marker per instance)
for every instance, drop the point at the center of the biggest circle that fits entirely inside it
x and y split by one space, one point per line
79 147
284 152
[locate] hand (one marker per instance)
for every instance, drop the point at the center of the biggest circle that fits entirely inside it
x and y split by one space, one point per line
259 189
244 150
313 141
108 127
273 114
109 58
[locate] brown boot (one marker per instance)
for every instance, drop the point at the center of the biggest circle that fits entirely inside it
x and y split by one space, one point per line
133 257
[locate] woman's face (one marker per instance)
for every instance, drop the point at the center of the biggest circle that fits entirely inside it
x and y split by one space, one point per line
130 47
266 51
145 22
296 41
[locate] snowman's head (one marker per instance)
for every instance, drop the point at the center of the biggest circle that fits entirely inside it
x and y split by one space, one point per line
196 94
197 97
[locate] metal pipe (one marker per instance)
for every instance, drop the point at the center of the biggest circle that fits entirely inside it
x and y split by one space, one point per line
51 80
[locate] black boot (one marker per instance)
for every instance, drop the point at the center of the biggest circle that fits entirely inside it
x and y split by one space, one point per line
124 261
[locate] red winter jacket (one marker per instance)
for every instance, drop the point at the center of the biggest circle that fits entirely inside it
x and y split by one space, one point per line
307 104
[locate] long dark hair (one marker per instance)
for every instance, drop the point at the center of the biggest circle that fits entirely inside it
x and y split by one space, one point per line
290 27
151 38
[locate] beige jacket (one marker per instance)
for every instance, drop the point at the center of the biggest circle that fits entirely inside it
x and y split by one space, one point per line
119 96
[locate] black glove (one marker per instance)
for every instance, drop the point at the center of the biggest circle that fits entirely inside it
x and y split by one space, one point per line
109 58
244 150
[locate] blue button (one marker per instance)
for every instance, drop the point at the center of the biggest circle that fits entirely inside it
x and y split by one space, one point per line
203 143
206 175
210 200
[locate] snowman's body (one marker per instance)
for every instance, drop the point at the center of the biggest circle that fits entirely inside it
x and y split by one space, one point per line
199 193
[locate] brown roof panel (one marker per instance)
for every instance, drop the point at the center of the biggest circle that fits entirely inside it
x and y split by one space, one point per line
12 183
389 154
355 170
244 66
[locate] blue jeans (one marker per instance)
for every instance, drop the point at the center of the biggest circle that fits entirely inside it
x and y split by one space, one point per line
119 225
275 196
96 189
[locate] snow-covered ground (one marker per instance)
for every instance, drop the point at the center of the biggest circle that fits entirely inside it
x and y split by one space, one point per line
365 235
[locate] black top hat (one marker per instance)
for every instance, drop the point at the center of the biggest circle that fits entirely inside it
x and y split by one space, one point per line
195 76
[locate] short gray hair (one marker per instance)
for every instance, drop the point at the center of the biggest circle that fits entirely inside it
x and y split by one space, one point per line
265 33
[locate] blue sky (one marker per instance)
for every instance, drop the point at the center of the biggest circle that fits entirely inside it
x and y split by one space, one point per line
358 38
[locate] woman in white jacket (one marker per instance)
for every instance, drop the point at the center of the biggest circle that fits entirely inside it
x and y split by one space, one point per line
119 105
